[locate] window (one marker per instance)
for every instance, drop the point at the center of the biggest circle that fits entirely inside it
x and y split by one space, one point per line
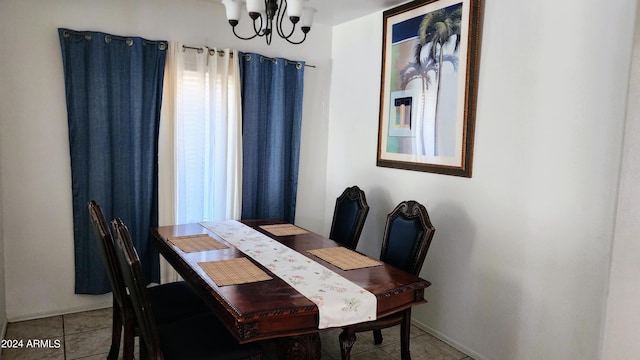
207 136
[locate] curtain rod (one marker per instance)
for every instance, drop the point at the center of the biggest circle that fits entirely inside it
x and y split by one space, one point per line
200 49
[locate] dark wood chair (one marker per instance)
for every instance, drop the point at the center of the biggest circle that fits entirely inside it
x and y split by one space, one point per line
348 217
407 235
172 301
198 337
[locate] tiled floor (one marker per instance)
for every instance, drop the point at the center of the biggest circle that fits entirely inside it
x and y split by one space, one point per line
87 336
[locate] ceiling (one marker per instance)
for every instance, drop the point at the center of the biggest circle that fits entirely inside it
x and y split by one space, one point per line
333 12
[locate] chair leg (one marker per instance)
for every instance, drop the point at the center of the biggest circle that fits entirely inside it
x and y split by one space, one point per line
129 335
347 339
299 347
405 335
144 352
377 336
116 332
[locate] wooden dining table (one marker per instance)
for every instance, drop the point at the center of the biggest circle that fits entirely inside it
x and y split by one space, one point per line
273 309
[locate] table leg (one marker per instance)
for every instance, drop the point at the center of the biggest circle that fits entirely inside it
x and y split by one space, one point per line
302 347
347 339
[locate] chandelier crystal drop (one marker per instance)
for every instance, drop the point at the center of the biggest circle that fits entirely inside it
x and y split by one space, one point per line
270 14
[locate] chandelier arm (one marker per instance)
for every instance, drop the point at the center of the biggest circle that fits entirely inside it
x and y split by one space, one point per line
281 31
257 33
241 37
280 17
280 20
258 29
294 42
282 8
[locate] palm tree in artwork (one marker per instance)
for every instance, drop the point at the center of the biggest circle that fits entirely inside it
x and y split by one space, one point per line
422 72
415 71
436 30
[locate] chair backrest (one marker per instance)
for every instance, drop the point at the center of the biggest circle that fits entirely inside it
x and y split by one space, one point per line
107 252
129 264
348 217
407 236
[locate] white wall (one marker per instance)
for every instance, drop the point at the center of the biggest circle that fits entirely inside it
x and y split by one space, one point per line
36 181
520 258
622 320
3 303
4 94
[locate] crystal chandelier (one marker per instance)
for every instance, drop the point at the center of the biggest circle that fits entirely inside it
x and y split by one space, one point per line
266 13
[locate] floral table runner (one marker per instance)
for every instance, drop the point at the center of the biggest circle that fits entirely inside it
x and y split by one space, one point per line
340 302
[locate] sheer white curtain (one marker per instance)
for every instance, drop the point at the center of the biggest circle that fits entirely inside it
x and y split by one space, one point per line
200 153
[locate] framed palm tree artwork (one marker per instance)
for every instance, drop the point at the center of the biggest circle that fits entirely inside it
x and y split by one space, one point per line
429 86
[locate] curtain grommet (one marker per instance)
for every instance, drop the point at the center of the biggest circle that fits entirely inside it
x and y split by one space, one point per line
299 66
129 42
163 46
107 39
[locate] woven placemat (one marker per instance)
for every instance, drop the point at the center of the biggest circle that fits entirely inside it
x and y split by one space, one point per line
344 258
283 229
197 242
233 271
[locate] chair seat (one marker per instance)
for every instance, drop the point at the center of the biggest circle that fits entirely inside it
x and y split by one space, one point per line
174 301
202 337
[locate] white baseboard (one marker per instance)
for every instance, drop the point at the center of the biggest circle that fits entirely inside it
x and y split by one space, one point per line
449 341
69 310
3 332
